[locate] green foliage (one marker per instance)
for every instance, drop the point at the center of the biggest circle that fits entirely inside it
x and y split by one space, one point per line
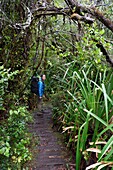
87 50
5 76
86 108
15 73
15 140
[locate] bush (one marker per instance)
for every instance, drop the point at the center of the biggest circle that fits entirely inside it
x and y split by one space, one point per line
15 139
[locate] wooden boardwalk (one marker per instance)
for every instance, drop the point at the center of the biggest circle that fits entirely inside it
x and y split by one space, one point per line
50 153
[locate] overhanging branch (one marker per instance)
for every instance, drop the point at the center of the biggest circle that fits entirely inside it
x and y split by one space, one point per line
73 8
51 11
79 8
103 50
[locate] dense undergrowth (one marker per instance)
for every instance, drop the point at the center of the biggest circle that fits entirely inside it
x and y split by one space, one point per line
15 139
82 96
83 109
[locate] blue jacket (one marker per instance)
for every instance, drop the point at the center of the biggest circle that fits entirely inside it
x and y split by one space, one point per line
41 87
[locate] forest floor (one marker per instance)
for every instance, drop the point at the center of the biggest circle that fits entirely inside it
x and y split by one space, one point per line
50 151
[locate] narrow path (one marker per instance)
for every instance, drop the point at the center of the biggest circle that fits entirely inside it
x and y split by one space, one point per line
50 153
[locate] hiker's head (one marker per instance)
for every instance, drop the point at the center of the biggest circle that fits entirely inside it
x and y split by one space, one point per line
43 77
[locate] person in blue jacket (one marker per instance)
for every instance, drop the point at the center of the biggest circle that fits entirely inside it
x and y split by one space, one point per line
41 88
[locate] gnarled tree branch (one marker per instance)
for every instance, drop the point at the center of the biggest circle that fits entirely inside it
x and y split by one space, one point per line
92 11
103 50
28 19
82 18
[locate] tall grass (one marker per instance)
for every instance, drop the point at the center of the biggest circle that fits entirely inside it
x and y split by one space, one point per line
87 112
96 102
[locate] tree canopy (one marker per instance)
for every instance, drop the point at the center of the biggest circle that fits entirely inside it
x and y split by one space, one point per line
24 14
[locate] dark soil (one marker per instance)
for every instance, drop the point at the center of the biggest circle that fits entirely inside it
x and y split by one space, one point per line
50 152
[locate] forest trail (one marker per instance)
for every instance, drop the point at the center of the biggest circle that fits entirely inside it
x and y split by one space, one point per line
50 153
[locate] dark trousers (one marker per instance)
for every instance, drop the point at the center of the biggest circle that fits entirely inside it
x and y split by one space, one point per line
40 104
